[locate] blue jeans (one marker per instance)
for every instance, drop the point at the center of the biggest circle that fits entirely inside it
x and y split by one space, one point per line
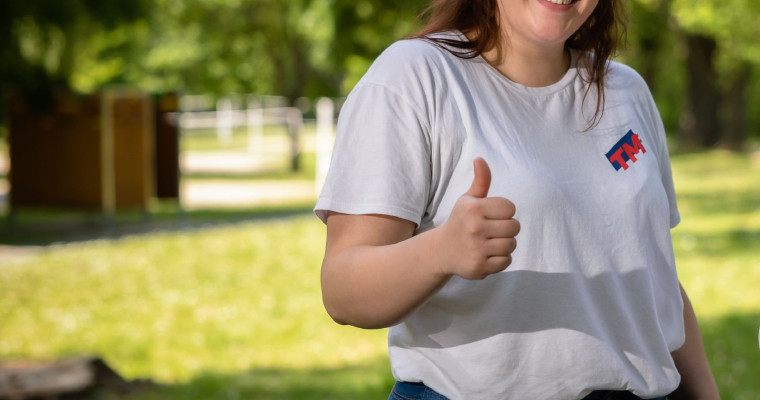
418 391
414 391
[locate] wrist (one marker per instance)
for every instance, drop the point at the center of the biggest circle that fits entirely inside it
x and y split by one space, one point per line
437 251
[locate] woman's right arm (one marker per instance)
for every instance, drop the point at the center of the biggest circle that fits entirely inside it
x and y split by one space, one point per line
375 272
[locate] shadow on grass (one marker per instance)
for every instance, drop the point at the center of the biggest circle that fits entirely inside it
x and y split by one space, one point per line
43 227
371 380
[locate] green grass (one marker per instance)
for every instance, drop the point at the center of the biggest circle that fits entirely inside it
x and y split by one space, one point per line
195 310
717 241
207 139
277 152
234 311
282 171
717 249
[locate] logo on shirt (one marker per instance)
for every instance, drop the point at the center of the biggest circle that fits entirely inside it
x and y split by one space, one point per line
625 150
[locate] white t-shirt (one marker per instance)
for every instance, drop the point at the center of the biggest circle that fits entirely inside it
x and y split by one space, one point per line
591 299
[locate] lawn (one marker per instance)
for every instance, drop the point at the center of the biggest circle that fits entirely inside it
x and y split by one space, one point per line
208 140
234 311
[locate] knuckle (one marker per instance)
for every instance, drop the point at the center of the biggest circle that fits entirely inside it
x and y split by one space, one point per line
474 228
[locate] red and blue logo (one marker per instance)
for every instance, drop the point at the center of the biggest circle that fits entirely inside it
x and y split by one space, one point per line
625 150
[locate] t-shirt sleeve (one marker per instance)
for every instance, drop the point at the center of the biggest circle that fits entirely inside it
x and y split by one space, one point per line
381 158
664 161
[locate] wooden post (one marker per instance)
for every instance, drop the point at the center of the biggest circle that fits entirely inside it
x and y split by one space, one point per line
224 120
295 123
255 122
167 147
107 164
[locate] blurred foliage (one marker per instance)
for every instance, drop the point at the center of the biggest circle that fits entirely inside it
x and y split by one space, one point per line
735 24
41 41
658 48
364 28
221 47
292 48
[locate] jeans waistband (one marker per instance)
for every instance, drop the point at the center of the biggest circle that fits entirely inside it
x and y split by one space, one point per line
419 391
614 395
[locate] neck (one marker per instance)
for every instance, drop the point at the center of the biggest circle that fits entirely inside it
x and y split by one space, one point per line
530 65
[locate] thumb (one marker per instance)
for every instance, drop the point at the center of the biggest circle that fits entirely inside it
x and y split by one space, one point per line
482 180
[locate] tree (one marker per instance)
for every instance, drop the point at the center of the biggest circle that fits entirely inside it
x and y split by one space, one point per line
40 40
722 38
365 28
701 126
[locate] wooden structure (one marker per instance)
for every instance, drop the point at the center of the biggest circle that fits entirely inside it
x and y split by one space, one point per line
92 152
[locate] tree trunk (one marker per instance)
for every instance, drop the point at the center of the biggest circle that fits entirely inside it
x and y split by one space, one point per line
652 34
736 99
699 123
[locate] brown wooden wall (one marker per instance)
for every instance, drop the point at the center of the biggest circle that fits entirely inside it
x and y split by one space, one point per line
89 152
133 150
55 156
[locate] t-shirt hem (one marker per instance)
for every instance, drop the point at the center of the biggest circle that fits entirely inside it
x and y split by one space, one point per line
675 220
324 205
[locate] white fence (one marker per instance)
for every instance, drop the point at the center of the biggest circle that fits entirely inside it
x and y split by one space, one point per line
258 112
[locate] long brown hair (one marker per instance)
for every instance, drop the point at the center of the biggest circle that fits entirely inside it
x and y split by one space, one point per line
595 41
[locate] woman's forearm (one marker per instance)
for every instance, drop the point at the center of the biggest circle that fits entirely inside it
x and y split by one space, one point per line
378 286
697 381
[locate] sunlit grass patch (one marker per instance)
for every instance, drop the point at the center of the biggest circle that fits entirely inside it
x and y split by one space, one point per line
171 306
717 249
717 243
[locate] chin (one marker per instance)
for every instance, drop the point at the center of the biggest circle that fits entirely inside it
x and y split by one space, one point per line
551 35
551 26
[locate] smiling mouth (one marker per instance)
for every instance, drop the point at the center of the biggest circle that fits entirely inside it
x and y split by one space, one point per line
562 2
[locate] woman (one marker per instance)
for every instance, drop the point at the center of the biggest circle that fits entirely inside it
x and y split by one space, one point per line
421 237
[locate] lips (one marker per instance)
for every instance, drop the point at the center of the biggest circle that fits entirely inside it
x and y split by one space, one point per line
562 2
559 5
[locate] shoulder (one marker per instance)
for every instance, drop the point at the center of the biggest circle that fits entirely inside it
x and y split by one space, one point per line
624 85
414 49
622 77
416 72
407 61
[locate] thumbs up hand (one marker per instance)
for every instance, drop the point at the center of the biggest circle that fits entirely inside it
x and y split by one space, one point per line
479 236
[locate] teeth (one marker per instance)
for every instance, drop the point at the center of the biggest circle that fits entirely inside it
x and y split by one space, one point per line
563 2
